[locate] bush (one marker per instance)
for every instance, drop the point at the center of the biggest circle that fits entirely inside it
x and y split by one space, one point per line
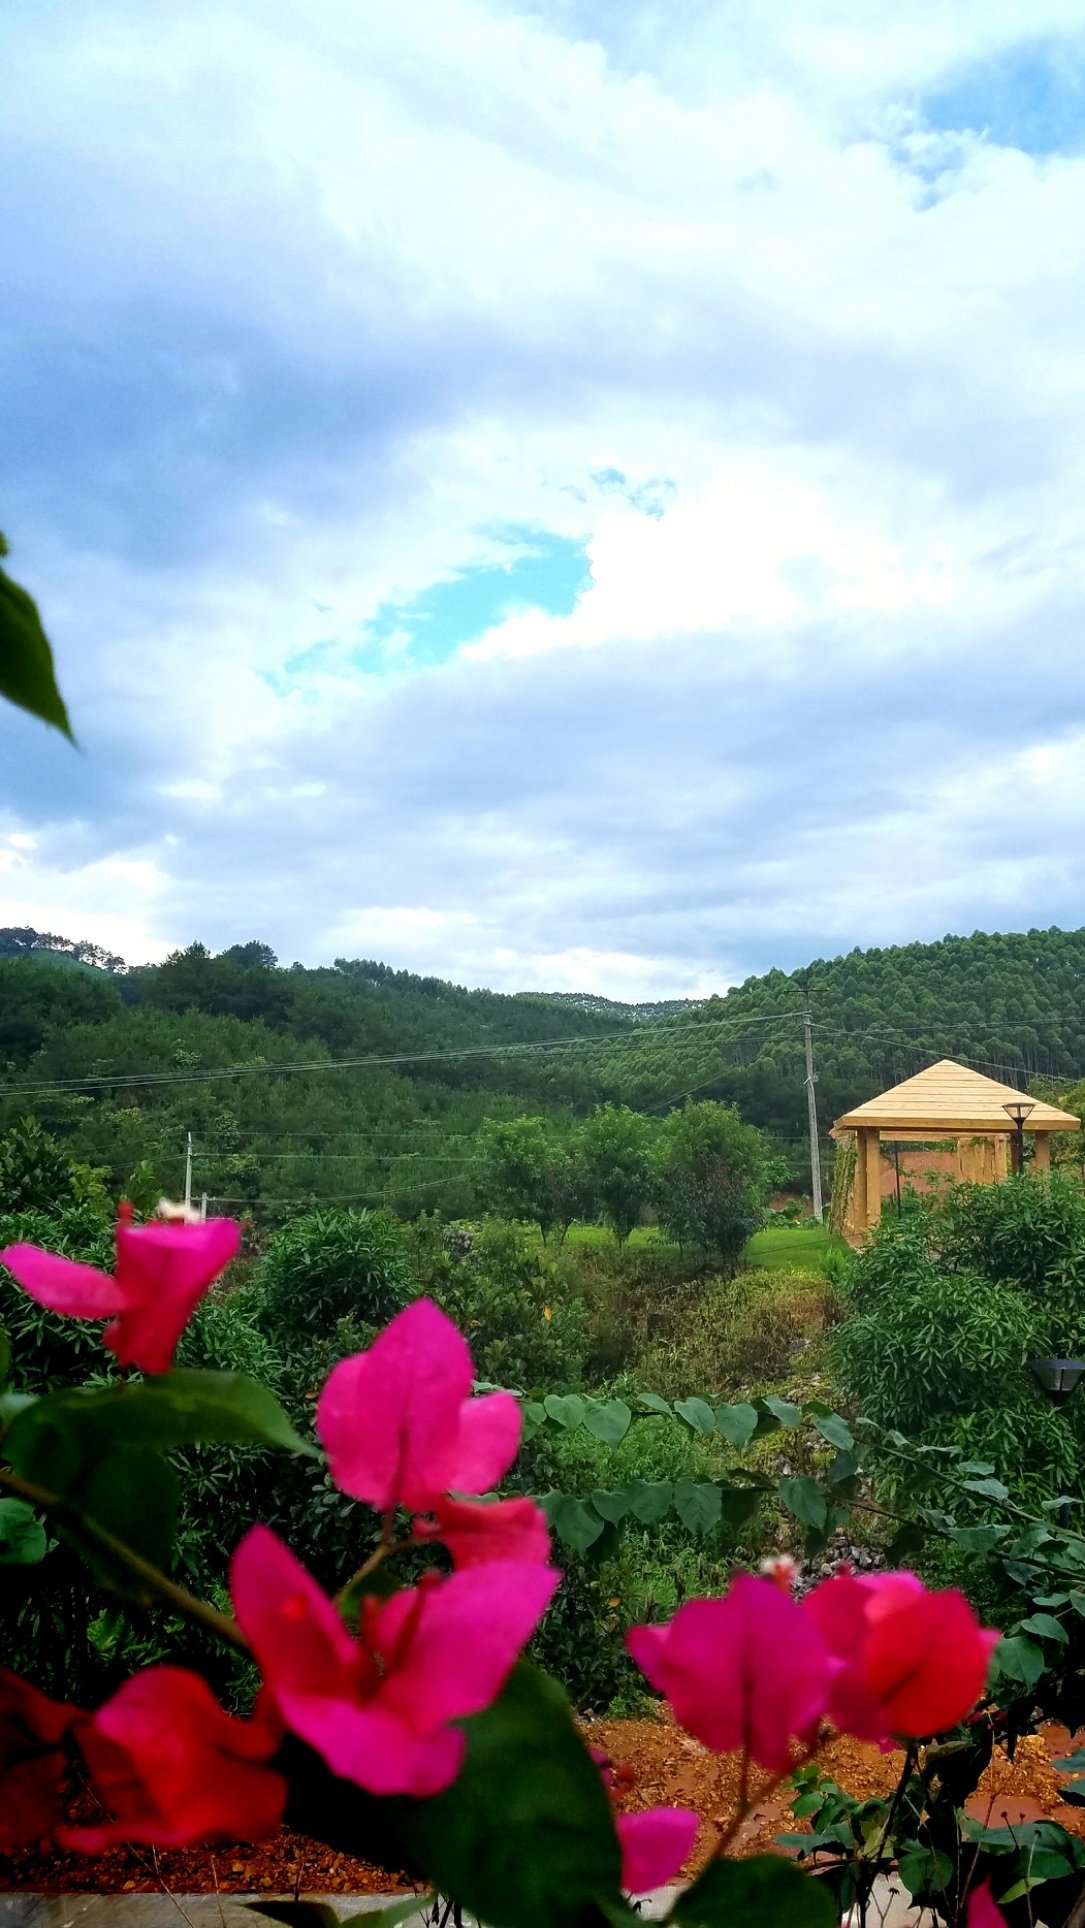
526 1327
1024 1230
50 1350
710 1179
330 1265
737 1334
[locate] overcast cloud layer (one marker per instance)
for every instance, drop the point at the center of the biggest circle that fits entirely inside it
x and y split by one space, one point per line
580 496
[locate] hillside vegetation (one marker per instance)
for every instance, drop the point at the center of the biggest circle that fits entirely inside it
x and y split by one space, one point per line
360 1083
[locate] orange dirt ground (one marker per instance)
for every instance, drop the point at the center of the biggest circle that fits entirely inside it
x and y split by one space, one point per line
657 1764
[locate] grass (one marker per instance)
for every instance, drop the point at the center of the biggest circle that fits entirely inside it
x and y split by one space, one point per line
806 1248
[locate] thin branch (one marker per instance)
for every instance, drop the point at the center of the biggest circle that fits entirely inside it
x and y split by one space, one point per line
151 1578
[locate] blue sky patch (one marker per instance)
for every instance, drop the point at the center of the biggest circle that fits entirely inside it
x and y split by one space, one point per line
1032 98
544 572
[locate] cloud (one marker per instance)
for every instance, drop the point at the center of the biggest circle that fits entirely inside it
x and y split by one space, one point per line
758 336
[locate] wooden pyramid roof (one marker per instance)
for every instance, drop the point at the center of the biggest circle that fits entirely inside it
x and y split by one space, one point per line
949 1098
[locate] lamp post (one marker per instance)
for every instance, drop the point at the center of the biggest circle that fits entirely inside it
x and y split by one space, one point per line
1058 1377
1019 1109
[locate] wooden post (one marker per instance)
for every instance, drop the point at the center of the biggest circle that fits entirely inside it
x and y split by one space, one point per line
870 1164
1041 1151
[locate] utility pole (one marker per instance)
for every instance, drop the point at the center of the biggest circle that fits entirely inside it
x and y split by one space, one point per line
188 1169
811 1105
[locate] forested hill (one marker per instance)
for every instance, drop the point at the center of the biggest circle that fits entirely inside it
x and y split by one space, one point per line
359 1082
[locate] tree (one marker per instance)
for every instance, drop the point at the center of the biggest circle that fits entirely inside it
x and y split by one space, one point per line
521 1172
710 1179
253 956
614 1147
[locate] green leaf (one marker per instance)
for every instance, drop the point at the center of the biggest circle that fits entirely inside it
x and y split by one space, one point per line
697 1504
908 1540
788 1415
533 1416
804 1498
697 1413
22 1535
1019 1658
763 1892
1046 1627
321 1914
608 1423
739 1504
836 1431
180 1408
653 1403
1071 1763
574 1521
27 676
134 1496
981 1466
1077 1601
978 1539
612 1506
5 1357
925 1871
988 1489
564 1409
738 1424
651 1500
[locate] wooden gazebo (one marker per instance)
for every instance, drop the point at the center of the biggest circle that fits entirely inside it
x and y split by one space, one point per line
945 1102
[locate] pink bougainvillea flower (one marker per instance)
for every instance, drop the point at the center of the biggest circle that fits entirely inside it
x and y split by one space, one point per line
475 1532
31 1760
399 1425
654 1845
378 1708
908 1662
981 1911
172 1766
749 1670
161 1274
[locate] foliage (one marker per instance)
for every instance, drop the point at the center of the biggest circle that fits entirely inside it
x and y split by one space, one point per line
27 675
522 1171
520 1313
614 1146
710 1179
329 1265
35 1174
750 1330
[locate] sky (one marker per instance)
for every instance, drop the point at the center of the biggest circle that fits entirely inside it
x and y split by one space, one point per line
586 495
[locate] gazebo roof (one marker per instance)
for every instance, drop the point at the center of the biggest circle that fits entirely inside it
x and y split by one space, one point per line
950 1098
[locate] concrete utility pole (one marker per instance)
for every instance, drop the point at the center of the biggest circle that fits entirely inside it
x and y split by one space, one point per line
188 1169
811 1106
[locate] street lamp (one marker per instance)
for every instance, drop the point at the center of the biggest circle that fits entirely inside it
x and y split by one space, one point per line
1019 1109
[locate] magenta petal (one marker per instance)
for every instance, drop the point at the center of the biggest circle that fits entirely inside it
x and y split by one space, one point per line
475 1531
389 1418
79 1291
654 1846
163 1272
981 1911
489 1439
467 1636
300 1642
374 1748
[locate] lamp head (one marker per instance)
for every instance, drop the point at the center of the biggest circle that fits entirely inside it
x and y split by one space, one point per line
1019 1109
1058 1377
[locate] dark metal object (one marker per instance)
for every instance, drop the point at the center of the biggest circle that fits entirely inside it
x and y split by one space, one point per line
1019 1109
1058 1377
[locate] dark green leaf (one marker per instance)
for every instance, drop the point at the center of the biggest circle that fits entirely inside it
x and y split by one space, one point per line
836 1431
739 1504
653 1403
907 1541
1045 1627
533 1416
804 1498
612 1506
763 1892
788 1415
697 1413
1019 1658
651 1500
738 1424
27 676
978 1539
988 1489
697 1504
981 1466
564 1409
321 1914
22 1535
1071 1763
5 1357
574 1521
134 1496
925 1871
608 1423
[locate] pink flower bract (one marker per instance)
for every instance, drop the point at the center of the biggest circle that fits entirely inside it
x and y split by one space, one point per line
161 1274
399 1425
746 1671
476 1532
172 1766
379 1708
31 1760
654 1845
981 1911
908 1662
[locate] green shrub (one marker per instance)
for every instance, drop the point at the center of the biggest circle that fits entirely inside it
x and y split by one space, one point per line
48 1348
738 1334
1024 1230
526 1328
330 1265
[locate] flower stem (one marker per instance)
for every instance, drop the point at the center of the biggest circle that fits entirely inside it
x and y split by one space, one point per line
153 1582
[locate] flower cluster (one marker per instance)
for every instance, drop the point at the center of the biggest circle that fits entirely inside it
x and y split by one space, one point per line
383 1704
